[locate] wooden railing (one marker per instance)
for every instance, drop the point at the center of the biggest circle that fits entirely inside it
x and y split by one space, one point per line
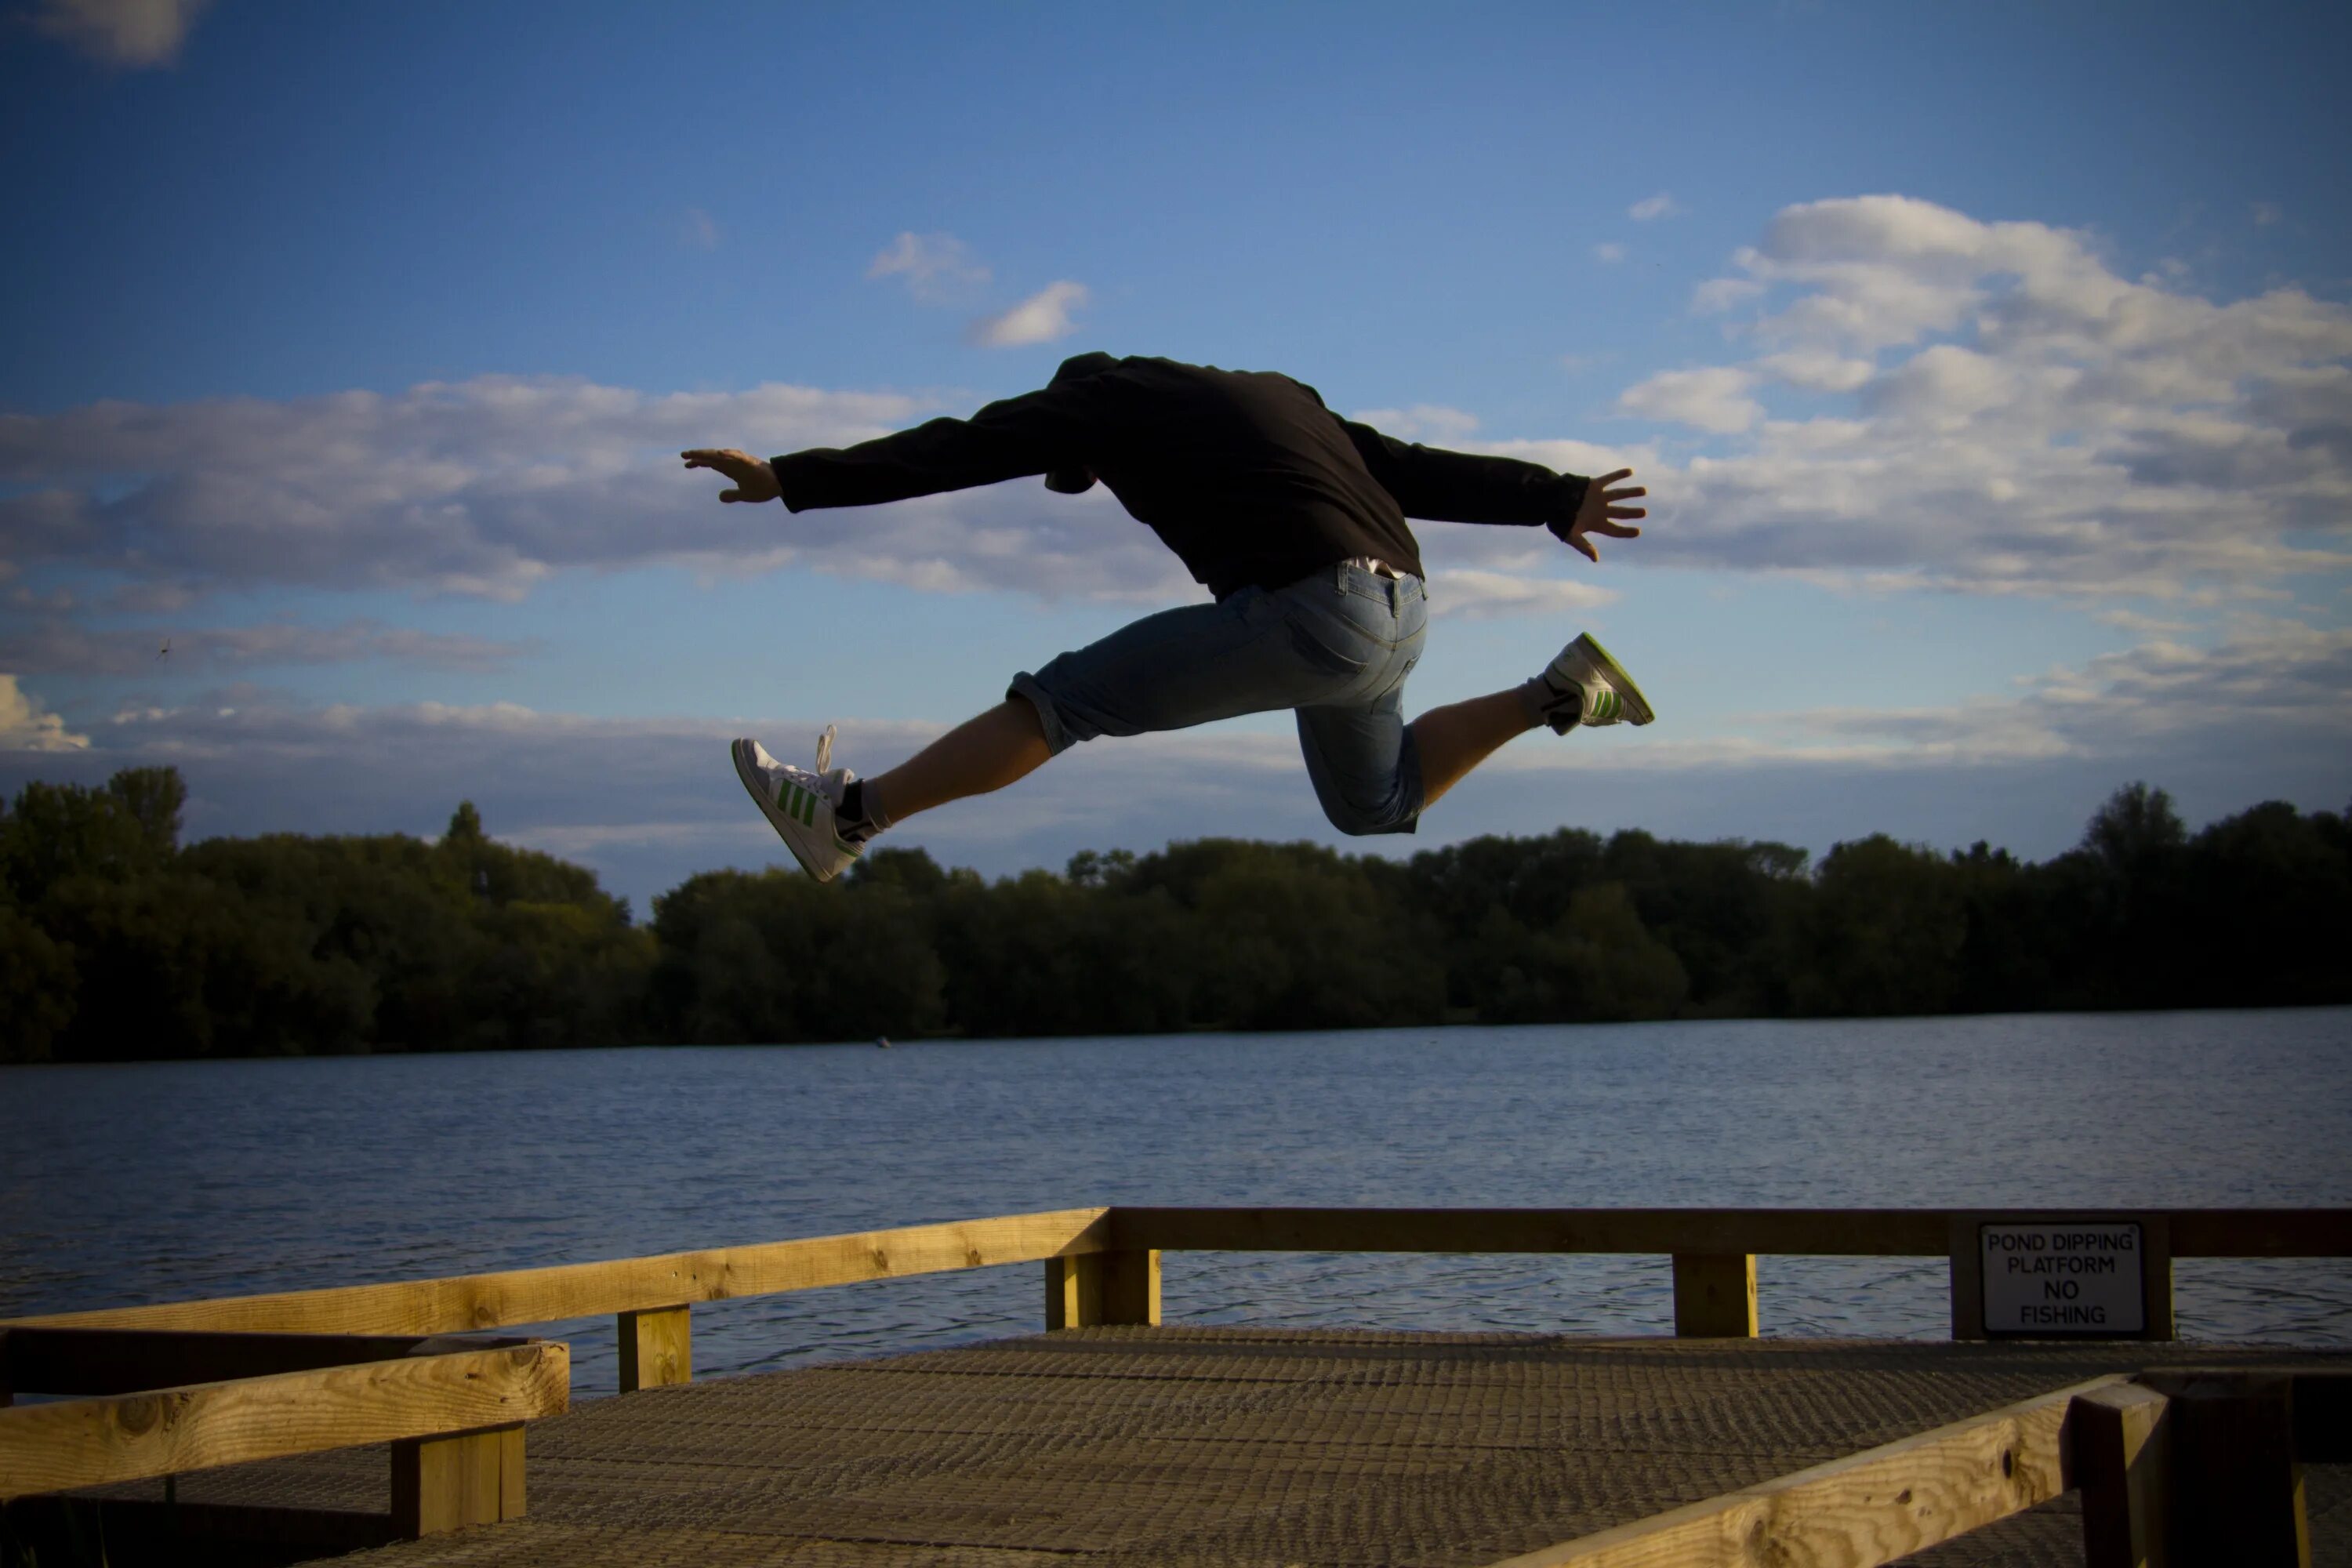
1102 1266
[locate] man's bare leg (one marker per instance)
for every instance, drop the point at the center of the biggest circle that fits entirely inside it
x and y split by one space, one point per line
982 754
1007 743
1456 738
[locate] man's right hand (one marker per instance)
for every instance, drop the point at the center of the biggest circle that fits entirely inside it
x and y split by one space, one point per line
754 481
1598 514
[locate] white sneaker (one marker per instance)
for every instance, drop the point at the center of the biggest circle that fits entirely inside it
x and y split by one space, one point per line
798 804
1586 686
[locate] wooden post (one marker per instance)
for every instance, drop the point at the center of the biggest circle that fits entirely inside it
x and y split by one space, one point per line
1967 1277
656 1348
1715 1295
2237 1492
2118 1452
446 1483
1102 1287
1130 1289
2155 1275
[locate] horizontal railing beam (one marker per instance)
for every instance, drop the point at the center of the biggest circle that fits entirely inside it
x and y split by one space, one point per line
1861 1511
95 1362
1821 1233
96 1441
1869 1233
622 1285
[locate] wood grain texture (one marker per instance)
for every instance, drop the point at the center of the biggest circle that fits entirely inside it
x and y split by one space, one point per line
130 1360
1857 1512
656 1348
2118 1450
88 1442
446 1483
622 1284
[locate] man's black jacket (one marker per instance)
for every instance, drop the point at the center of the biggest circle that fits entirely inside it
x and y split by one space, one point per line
1245 474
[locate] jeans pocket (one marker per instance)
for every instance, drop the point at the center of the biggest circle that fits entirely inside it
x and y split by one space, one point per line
1330 645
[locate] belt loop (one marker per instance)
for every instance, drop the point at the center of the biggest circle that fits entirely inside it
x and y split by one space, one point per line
1339 580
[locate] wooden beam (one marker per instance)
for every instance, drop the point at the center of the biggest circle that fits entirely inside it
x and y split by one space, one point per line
1074 1288
2237 1484
1868 1232
2262 1233
446 1483
656 1348
1715 1295
622 1284
91 1442
2118 1451
129 1361
1861 1511
1131 1287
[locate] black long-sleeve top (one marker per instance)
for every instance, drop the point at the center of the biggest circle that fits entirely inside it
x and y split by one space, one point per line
1245 475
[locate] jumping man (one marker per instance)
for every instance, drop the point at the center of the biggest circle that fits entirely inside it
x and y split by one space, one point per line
1295 520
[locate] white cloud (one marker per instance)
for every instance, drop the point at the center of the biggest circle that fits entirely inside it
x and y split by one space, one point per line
1657 206
1474 595
1421 422
2023 420
1712 399
58 645
939 268
699 231
122 32
26 726
1608 251
2266 214
1039 318
1816 370
1718 294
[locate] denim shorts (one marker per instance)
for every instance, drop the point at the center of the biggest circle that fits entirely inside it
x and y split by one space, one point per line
1335 646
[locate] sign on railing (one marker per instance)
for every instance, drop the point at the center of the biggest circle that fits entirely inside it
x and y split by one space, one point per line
2073 1279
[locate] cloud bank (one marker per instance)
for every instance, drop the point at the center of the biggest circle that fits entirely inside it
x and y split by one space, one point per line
2011 417
1918 399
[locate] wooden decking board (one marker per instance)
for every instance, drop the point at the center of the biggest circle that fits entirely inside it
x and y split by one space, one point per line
1113 1447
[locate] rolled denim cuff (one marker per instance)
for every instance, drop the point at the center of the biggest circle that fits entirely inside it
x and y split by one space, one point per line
1059 737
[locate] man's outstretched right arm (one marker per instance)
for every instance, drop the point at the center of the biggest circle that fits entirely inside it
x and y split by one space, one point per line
1007 440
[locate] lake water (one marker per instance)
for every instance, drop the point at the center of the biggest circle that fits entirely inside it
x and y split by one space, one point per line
154 1182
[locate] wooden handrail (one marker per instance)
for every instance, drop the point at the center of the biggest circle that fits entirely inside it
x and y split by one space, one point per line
1819 1232
525 1296
1103 1265
164 1431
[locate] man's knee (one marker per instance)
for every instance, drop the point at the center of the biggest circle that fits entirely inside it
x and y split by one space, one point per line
1357 820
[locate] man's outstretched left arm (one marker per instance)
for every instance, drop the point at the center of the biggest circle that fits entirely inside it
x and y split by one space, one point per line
1432 483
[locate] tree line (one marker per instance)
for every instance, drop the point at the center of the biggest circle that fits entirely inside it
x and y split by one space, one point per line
118 943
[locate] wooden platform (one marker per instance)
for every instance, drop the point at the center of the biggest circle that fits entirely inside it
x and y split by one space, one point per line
1243 1446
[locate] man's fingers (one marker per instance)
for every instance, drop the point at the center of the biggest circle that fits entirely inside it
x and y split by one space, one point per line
1605 480
731 495
1628 512
1626 494
1615 531
1583 547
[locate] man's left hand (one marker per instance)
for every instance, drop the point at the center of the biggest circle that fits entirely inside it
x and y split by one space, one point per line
754 481
1600 513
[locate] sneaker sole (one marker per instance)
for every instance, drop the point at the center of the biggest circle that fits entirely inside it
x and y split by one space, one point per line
1637 707
754 787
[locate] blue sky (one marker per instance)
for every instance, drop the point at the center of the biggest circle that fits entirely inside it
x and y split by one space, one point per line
1988 364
